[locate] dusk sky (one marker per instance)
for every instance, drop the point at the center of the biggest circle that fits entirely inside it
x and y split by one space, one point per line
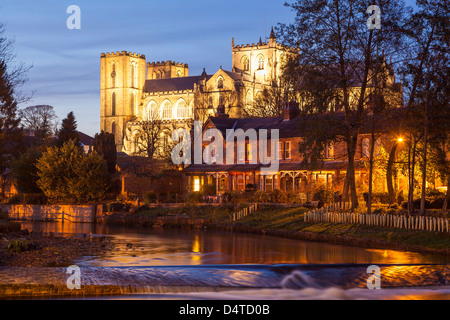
66 63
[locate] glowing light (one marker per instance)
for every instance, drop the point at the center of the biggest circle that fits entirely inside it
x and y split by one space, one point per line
197 184
400 139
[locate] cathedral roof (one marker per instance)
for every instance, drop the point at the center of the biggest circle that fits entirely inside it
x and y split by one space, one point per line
172 84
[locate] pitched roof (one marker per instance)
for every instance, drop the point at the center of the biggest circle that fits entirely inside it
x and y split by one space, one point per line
85 139
172 84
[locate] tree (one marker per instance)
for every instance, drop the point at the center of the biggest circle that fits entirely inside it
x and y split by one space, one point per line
68 131
273 98
68 174
10 133
15 72
24 171
42 120
152 139
104 144
339 52
425 75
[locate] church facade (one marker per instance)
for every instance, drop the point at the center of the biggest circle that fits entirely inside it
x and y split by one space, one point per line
136 92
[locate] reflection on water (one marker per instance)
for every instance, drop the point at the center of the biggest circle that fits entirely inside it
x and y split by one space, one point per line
154 247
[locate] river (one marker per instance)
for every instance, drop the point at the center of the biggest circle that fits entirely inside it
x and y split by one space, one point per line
206 264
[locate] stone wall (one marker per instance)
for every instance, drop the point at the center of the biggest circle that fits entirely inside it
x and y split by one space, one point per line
67 213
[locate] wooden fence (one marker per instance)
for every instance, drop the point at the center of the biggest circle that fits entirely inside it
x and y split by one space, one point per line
385 220
245 212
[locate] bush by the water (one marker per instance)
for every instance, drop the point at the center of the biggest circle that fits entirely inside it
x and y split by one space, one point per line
17 246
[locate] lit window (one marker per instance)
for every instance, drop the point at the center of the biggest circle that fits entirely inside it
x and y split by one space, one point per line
182 111
287 150
329 150
249 152
167 111
261 62
196 184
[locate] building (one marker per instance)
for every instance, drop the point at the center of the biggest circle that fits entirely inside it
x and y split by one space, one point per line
134 91
293 175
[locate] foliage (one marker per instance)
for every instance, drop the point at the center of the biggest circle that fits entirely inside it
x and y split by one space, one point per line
10 134
323 195
24 171
68 174
68 131
105 145
150 197
17 246
208 190
337 54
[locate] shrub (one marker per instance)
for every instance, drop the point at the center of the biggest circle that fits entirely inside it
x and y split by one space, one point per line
17 246
293 197
193 197
279 196
377 197
150 197
261 196
69 174
323 195
209 190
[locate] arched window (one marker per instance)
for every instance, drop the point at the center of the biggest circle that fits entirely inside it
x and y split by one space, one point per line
220 83
245 63
179 74
132 104
261 62
210 105
182 110
155 75
151 113
167 111
113 104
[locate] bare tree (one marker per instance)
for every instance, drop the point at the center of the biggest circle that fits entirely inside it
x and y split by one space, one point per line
16 72
40 119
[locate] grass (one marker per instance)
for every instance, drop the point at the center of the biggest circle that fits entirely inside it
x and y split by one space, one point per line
290 221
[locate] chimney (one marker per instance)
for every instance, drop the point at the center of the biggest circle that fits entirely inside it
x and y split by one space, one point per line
291 110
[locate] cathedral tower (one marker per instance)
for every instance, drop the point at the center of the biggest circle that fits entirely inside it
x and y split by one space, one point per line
262 61
122 78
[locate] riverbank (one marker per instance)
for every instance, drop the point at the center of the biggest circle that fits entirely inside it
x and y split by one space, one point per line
288 223
20 248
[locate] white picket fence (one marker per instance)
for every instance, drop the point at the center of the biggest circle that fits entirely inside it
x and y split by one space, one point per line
245 212
384 220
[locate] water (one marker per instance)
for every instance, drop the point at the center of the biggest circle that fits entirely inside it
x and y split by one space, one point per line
180 264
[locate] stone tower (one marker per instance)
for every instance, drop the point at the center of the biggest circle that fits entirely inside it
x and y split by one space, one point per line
122 79
262 61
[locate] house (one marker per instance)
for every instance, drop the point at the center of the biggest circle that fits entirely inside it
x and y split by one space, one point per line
293 174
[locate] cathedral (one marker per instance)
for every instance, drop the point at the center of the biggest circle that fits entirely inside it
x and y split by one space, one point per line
135 92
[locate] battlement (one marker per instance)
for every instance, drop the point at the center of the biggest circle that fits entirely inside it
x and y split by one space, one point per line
122 53
260 45
167 63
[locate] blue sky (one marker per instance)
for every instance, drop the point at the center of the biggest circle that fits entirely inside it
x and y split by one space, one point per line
66 63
